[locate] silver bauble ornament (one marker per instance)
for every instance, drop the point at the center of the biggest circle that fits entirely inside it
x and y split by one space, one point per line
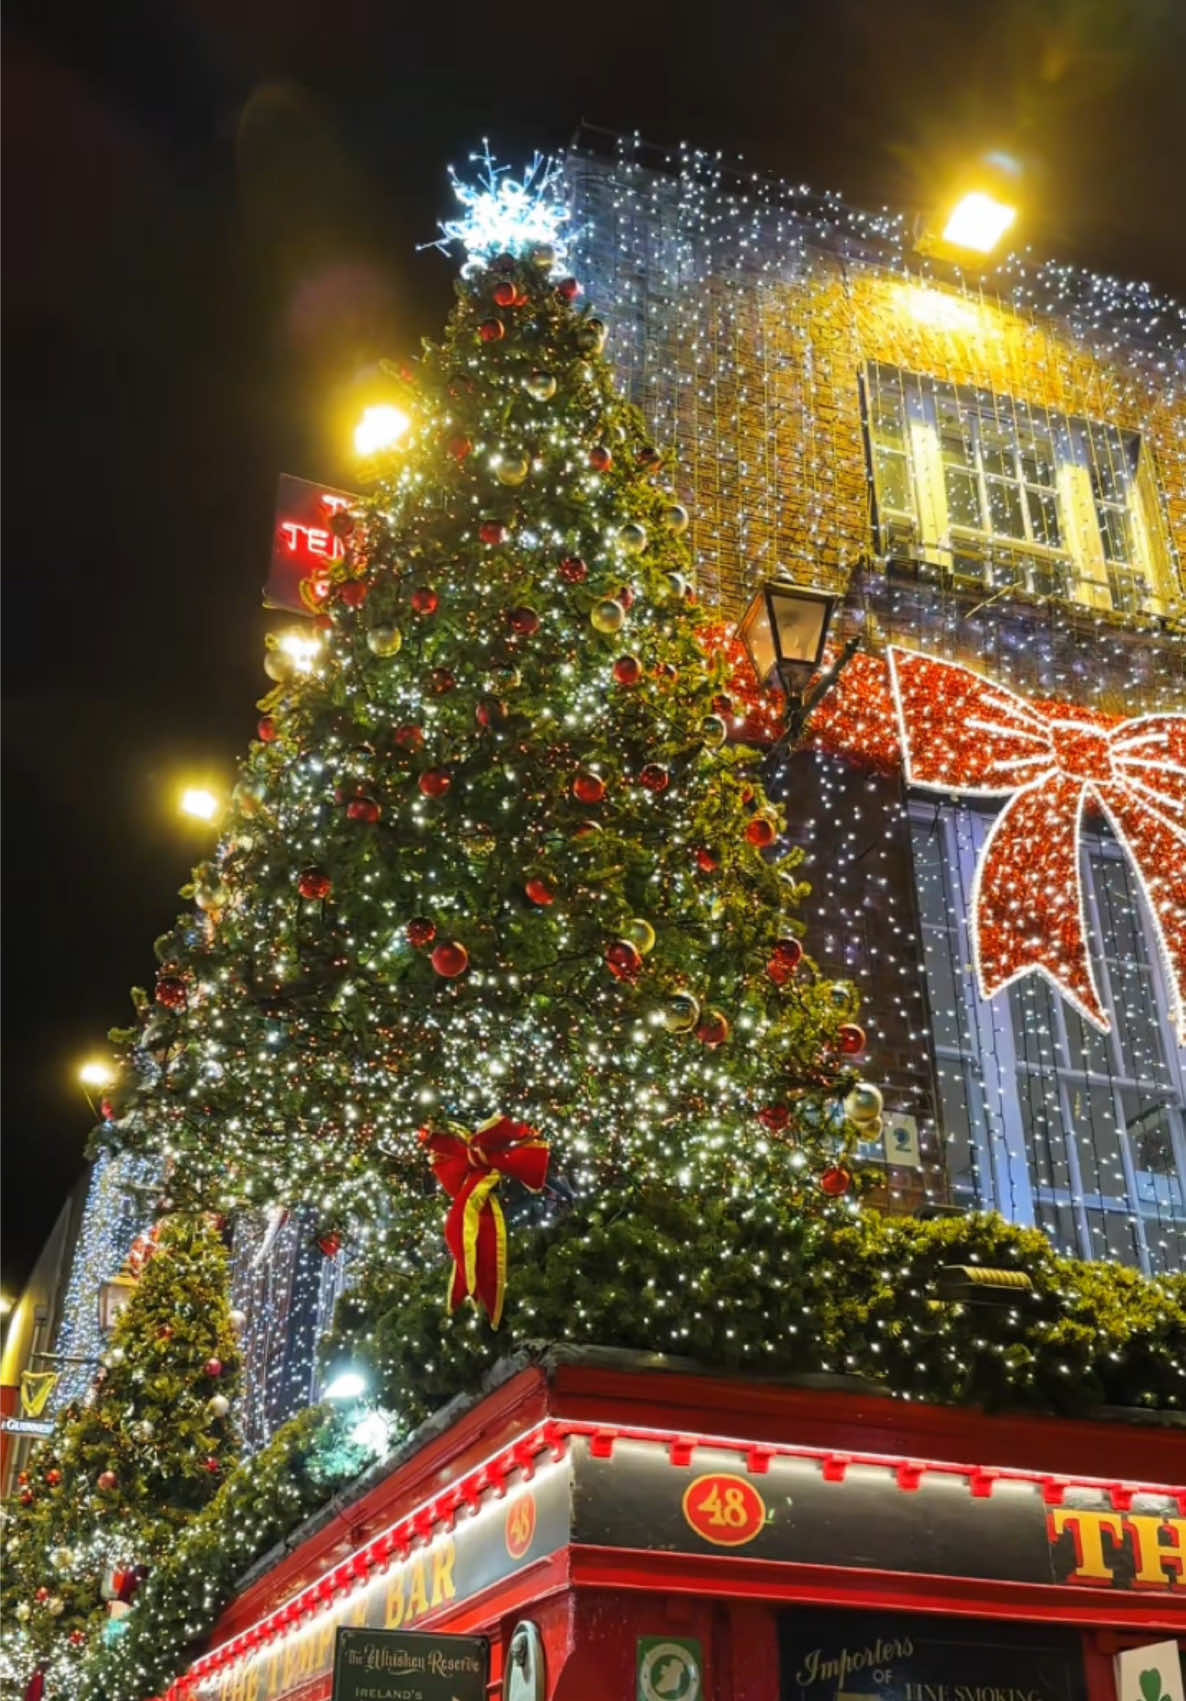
714 731
218 1405
540 385
842 994
631 538
863 1103
543 255
512 469
278 666
639 932
385 640
681 1013
116 1355
238 1319
607 616
55 1606
678 586
210 897
675 517
22 1610
591 336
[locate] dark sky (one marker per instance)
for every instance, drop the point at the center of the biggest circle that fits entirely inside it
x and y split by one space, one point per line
211 211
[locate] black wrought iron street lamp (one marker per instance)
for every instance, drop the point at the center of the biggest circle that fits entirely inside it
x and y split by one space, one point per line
785 630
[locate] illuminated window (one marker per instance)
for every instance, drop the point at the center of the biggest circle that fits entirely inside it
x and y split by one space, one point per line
1005 494
1045 1119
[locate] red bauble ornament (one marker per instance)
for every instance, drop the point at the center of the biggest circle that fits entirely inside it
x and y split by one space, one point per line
568 289
22 1480
600 458
364 809
706 861
314 884
761 832
425 600
450 959
626 597
213 1367
421 932
53 1476
329 1243
627 670
107 1110
354 593
492 330
408 737
525 621
722 705
779 970
541 891
165 1332
835 1181
267 729
107 1481
655 777
436 782
213 1466
26 1497
441 681
42 1595
713 1029
460 448
490 712
850 1038
623 960
493 532
77 1638
790 952
171 991
574 570
506 294
588 788
774 1117
649 459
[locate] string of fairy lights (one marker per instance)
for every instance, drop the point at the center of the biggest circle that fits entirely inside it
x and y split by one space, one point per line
707 274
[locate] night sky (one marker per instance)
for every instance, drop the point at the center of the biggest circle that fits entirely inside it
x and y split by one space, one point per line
211 216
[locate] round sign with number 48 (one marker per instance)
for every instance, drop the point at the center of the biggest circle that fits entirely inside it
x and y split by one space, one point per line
725 1509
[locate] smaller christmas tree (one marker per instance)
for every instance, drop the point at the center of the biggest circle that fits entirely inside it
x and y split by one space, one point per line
104 1496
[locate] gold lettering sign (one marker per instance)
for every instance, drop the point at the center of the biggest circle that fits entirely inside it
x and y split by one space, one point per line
1157 1546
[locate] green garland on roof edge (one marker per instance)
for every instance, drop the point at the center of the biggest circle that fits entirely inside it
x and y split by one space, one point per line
736 1284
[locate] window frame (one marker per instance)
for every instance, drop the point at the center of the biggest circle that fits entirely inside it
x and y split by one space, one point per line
1083 489
1002 1170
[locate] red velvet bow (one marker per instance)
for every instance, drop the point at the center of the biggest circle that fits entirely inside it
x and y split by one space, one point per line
469 1167
961 733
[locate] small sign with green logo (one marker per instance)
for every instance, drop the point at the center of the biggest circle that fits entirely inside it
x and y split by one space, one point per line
668 1669
403 1665
1151 1673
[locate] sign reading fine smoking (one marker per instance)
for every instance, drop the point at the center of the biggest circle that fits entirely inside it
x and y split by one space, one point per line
402 1665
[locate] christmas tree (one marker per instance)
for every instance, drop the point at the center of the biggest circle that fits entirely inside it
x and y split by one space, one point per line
499 899
105 1496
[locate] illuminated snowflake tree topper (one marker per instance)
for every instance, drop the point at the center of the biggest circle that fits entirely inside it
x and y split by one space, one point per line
505 214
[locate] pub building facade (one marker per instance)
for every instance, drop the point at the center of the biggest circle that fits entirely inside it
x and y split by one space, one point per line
988 472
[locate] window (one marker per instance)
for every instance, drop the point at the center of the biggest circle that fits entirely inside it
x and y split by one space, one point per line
1013 495
1045 1119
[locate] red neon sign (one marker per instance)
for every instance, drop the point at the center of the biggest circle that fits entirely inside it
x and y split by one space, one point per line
305 544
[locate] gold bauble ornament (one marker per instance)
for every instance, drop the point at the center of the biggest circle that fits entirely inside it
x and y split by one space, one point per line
675 517
631 538
541 386
512 469
681 1013
864 1103
385 640
640 934
591 336
714 731
607 616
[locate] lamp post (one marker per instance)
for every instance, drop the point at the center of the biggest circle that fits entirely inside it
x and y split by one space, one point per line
784 631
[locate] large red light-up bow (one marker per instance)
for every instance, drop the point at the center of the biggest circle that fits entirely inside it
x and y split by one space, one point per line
469 1168
962 734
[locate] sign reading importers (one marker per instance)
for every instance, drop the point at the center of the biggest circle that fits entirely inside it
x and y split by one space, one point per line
403 1665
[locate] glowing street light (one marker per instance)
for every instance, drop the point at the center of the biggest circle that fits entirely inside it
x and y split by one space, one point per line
5 1305
978 221
96 1073
199 803
348 1384
380 428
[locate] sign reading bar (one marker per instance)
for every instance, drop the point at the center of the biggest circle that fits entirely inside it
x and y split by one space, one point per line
403 1665
304 542
858 1656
